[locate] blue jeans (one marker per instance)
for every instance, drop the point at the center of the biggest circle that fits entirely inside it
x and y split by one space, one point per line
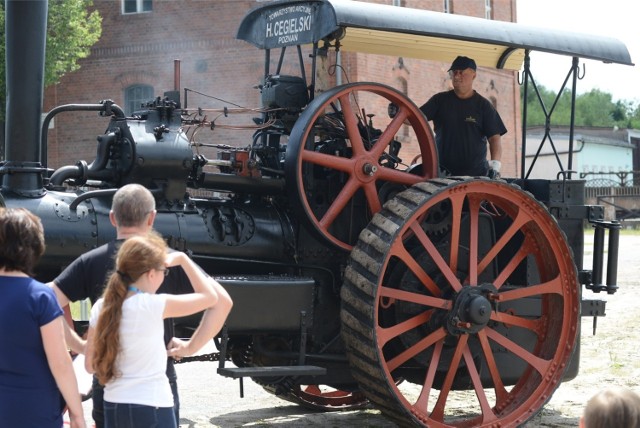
119 415
97 396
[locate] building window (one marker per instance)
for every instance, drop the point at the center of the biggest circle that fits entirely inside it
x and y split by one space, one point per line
137 6
135 96
446 7
488 11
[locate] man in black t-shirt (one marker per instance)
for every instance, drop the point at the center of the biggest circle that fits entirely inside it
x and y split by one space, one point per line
464 122
133 213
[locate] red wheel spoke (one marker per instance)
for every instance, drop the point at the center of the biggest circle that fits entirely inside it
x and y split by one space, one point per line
456 209
438 409
337 394
328 161
386 334
436 256
371 194
539 364
516 321
312 389
351 124
511 266
521 219
400 251
343 198
387 136
487 413
397 176
328 399
422 402
551 287
415 349
407 296
498 385
474 215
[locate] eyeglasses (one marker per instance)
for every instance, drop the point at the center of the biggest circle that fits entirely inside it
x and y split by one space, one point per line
165 270
458 72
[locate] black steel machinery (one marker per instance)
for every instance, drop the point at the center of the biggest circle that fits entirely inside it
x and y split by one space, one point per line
359 275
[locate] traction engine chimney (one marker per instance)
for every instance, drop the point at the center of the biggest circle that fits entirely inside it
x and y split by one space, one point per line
25 38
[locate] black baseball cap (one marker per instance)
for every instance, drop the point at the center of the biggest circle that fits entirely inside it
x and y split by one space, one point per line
462 63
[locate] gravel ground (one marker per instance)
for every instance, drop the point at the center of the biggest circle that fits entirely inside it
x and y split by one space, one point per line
611 357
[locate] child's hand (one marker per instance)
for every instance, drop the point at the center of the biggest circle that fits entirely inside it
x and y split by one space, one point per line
175 258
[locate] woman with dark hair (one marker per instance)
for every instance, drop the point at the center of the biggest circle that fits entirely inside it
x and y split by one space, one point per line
36 374
125 343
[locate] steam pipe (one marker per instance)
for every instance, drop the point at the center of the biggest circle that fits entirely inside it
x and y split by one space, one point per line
176 75
88 195
64 173
81 172
25 38
236 183
103 107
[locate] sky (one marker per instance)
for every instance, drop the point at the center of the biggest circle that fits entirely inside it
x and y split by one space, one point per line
613 18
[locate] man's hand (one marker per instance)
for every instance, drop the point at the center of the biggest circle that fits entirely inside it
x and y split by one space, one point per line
494 169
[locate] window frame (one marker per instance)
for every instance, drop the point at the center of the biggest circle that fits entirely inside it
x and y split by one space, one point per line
132 104
488 9
140 4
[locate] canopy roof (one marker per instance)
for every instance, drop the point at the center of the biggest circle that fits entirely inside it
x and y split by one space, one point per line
400 31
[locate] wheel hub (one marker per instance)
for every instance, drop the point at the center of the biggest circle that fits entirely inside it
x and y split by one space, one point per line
471 309
369 169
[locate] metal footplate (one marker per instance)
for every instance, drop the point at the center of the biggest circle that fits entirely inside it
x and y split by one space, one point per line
269 371
240 372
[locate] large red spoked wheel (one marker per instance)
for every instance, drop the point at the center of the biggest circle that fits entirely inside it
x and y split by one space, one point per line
480 322
323 398
344 149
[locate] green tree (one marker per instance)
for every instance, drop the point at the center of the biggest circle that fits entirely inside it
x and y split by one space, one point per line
634 118
71 31
559 109
593 108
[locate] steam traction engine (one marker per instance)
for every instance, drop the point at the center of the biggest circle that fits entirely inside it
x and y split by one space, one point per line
357 276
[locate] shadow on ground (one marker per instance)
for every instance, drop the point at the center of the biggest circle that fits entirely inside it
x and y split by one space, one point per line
295 416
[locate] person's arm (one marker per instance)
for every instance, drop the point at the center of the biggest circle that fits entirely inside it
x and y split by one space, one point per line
495 151
210 325
88 355
62 369
495 147
204 295
74 341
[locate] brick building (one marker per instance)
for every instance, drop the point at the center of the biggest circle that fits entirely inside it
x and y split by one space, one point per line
134 62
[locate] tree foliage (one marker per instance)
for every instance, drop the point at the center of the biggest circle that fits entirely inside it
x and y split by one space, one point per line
71 31
593 108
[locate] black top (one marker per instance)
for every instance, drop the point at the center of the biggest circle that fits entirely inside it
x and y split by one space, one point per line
411 31
87 276
462 127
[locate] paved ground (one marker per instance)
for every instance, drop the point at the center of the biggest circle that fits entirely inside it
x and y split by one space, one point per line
610 357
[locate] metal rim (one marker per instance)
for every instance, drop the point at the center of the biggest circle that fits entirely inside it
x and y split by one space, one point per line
320 397
363 167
